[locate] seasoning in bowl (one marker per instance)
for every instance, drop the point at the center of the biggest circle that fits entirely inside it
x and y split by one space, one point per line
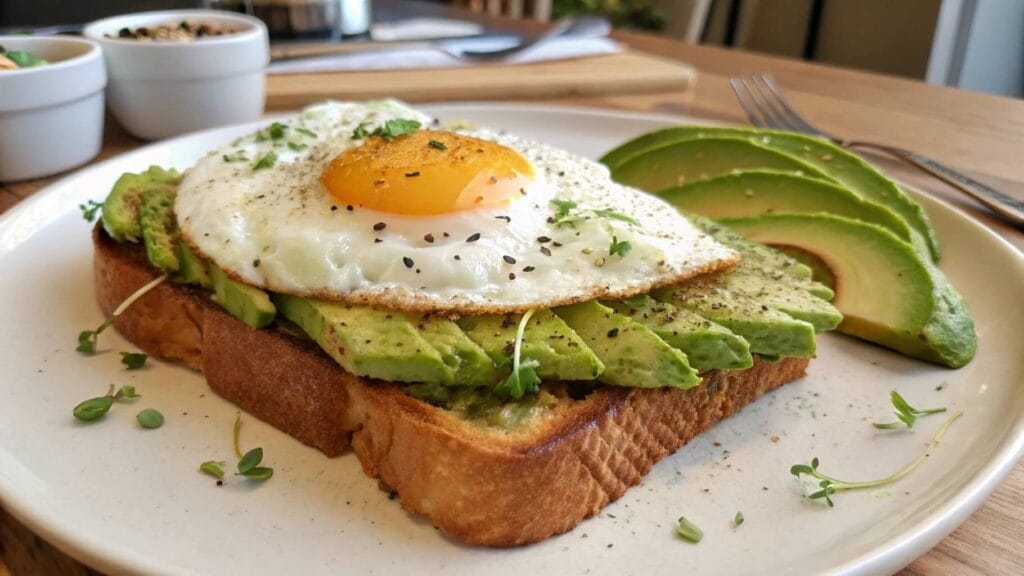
16 59
184 31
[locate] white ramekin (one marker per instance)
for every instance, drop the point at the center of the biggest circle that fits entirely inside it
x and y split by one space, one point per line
161 89
51 116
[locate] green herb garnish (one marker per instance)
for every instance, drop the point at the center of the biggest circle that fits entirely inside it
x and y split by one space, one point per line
292 145
389 131
613 215
249 463
277 130
265 161
737 519
134 360
829 485
438 145
87 339
523 377
212 468
688 530
906 413
96 408
238 156
619 249
150 418
306 131
89 209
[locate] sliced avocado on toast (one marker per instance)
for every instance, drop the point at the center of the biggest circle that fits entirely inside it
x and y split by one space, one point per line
247 303
838 164
887 292
632 354
159 228
121 208
471 364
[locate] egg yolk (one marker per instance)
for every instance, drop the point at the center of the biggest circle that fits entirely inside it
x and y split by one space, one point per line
427 172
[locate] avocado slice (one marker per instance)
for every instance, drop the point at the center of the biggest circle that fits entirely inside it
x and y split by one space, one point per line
888 293
753 192
632 354
367 342
841 166
708 346
470 364
159 228
676 163
247 303
770 263
193 270
771 289
558 350
121 208
768 331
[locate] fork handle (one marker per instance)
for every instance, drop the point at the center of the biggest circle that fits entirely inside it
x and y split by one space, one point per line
1006 206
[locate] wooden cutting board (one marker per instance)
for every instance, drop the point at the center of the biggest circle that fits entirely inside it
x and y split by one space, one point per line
620 73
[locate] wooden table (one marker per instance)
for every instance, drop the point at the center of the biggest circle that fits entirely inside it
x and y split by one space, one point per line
981 133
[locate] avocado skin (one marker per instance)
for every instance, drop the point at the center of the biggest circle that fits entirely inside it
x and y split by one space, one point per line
841 166
121 208
708 346
367 342
559 351
933 322
754 192
676 162
471 365
632 354
159 228
247 303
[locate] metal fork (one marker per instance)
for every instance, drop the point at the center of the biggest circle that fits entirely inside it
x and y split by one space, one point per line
768 108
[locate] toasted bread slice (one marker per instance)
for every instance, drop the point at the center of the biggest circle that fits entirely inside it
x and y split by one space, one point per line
471 480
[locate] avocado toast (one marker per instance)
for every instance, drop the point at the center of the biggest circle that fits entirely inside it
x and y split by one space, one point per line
464 415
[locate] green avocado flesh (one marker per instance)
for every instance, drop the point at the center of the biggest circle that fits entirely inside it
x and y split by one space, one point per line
632 354
754 192
887 292
470 363
677 163
837 164
159 228
248 304
193 269
708 346
121 208
559 351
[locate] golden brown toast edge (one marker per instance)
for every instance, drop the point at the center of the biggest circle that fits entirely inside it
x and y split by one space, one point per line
477 484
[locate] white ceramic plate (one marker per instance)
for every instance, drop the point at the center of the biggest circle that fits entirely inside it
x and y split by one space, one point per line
130 500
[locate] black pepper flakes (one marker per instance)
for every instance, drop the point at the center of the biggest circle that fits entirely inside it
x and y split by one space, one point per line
543 239
613 332
529 269
473 237
457 257
545 251
511 275
429 238
377 240
412 174
256 263
349 208
508 259
334 208
505 218
379 226
408 262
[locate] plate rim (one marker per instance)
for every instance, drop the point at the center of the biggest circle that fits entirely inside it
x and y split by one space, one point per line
896 553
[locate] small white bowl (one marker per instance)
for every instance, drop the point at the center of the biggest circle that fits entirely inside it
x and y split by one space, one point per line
163 88
51 116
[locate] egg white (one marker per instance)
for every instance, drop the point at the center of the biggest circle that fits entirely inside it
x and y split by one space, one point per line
279 229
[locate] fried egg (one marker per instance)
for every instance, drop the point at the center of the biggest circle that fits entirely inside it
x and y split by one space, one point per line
370 203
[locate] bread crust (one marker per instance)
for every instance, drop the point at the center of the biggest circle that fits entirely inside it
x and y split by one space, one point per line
471 481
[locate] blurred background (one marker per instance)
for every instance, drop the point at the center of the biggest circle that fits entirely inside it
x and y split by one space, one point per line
972 44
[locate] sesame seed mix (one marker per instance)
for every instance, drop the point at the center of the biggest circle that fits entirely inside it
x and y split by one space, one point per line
408 262
377 240
429 238
511 275
613 332
505 218
473 237
494 179
543 239
334 208
457 257
508 259
349 208
529 269
445 234
545 251
412 174
379 226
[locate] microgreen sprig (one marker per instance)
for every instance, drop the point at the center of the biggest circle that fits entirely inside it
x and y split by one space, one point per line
89 209
906 413
618 248
567 215
87 339
96 408
134 360
830 486
248 463
523 377
390 130
737 519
